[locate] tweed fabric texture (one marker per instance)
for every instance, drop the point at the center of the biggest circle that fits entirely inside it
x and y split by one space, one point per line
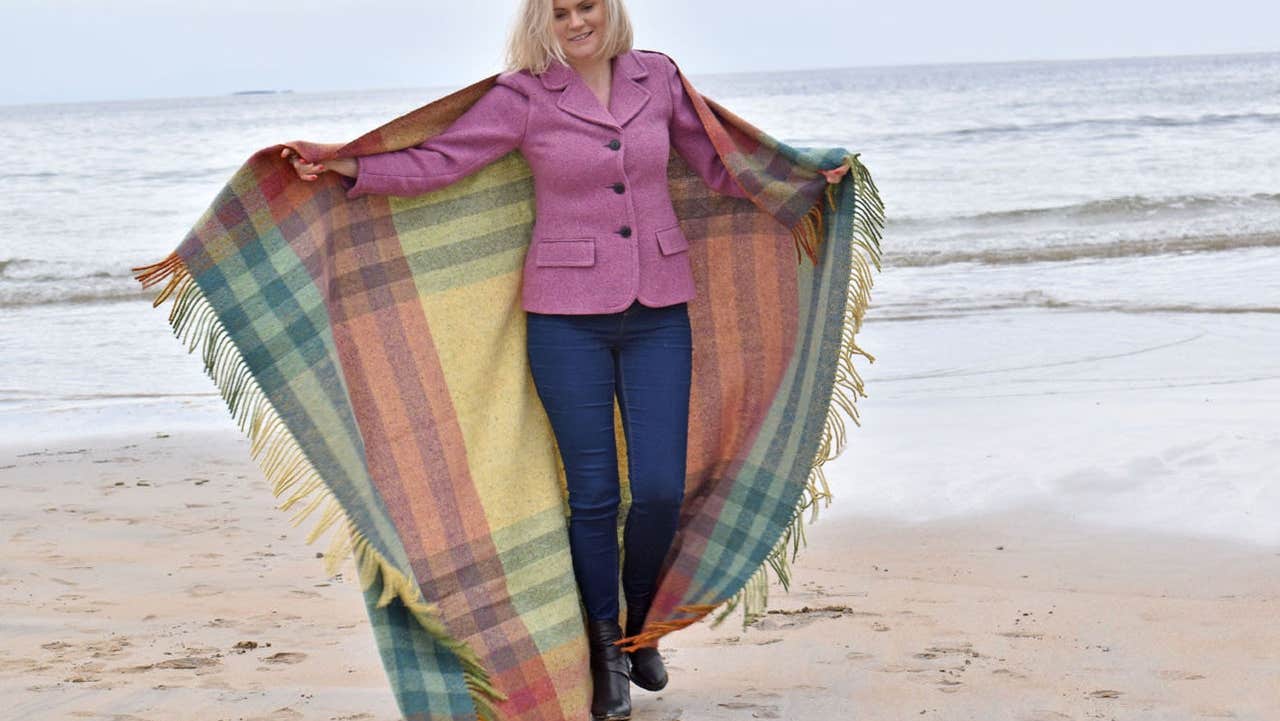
596 171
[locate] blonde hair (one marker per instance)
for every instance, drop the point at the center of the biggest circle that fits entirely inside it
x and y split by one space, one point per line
532 43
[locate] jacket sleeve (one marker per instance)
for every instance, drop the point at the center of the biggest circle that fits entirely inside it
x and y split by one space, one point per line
691 141
490 128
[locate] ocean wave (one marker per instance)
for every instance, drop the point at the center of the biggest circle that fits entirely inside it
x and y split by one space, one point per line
28 281
1085 251
1040 299
1120 206
7 263
1130 204
37 175
25 270
51 294
27 395
1133 122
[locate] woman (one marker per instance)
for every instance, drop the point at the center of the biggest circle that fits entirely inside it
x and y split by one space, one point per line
605 285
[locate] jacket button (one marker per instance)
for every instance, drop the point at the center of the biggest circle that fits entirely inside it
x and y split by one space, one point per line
625 231
614 144
619 188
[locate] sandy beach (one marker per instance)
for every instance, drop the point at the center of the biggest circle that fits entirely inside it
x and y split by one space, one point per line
150 577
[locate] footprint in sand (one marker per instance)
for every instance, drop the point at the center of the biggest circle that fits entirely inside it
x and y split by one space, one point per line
753 691
1105 693
184 663
201 590
948 678
948 685
281 714
964 649
1175 675
289 657
899 668
1021 634
23 665
757 711
107 647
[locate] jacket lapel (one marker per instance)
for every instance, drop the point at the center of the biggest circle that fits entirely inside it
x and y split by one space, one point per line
627 95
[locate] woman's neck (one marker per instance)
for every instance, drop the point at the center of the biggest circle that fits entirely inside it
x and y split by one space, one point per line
594 72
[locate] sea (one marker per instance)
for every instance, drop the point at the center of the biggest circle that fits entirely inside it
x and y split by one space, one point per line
1098 198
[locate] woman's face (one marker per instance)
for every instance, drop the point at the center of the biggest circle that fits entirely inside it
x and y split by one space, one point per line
579 26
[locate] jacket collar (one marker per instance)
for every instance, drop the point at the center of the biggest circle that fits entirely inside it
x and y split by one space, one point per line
627 96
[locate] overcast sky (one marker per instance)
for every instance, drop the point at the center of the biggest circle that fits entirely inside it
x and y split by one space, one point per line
71 50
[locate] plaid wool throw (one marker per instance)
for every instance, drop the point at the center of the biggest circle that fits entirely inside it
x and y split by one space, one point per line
373 349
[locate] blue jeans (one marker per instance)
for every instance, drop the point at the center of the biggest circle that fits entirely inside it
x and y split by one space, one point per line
645 355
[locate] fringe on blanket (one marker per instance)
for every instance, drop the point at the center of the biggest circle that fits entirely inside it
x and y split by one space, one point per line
867 229
290 472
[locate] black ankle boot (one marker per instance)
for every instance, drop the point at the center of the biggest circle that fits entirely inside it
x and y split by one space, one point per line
610 673
647 669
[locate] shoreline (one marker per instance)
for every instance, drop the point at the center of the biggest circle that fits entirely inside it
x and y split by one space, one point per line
146 575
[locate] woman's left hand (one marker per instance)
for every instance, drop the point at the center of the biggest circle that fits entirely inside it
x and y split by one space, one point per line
835 174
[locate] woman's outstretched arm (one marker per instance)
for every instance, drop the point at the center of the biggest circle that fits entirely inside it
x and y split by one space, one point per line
489 129
690 139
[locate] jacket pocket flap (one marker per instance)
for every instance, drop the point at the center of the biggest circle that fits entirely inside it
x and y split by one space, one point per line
565 252
671 240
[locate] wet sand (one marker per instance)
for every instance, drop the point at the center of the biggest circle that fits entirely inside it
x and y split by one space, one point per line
149 576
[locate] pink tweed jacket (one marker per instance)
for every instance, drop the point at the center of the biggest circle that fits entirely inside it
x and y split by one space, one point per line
605 232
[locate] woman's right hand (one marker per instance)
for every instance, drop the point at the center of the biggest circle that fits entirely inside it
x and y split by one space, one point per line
304 169
310 171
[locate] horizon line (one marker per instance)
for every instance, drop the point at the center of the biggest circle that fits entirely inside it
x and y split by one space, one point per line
706 74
